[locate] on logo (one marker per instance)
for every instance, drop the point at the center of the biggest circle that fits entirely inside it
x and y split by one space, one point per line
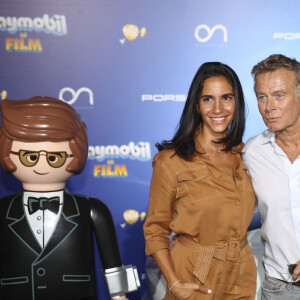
209 32
75 94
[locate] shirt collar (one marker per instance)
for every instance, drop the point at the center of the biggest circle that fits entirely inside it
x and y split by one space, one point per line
268 137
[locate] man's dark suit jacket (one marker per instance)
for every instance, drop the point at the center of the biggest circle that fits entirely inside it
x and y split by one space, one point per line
64 269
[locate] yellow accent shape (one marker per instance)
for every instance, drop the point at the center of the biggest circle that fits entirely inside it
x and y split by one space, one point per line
142 216
130 31
131 216
120 170
143 31
3 94
34 45
9 44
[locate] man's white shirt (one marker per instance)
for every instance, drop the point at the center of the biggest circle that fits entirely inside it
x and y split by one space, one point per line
276 182
42 222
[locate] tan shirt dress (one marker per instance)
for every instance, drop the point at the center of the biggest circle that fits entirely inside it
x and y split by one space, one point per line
211 212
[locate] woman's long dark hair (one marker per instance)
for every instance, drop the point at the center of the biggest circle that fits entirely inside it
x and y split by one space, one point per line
183 140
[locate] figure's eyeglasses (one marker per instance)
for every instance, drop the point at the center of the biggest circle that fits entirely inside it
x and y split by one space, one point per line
30 158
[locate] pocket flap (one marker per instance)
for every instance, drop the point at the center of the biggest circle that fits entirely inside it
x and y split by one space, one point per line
76 277
230 289
14 280
192 174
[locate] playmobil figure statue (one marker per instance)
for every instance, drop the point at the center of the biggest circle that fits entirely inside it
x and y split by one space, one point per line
47 250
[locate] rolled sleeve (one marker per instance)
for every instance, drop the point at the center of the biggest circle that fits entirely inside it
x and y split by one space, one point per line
161 208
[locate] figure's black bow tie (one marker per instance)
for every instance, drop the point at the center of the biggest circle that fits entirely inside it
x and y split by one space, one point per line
43 203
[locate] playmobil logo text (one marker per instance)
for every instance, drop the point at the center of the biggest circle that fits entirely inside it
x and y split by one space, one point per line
140 151
56 24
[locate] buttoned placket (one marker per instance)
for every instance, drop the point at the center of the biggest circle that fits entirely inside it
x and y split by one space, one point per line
293 172
294 183
43 222
39 217
238 185
236 203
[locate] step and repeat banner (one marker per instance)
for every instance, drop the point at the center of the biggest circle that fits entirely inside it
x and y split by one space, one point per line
126 67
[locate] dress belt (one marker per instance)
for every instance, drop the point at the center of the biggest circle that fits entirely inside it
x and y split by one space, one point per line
228 252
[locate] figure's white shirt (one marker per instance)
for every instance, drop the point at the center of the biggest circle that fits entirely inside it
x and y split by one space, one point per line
42 222
276 182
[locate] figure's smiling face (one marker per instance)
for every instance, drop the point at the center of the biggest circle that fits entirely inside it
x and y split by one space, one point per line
41 165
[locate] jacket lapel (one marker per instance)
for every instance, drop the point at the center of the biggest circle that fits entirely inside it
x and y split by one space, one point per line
64 227
20 226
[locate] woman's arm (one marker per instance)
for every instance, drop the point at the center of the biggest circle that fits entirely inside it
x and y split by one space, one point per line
156 228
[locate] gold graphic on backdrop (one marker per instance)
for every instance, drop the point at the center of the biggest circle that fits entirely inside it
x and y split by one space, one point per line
131 32
142 216
143 31
3 94
131 216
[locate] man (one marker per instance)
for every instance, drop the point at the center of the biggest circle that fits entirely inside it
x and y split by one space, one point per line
273 162
47 249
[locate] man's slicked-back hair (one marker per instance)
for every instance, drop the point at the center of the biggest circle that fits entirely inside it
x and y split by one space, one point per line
275 62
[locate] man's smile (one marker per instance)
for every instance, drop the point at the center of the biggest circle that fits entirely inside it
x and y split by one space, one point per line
40 173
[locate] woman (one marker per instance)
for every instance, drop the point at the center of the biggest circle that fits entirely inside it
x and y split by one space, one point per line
201 191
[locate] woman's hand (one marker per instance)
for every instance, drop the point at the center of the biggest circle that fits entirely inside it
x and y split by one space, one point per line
184 290
179 289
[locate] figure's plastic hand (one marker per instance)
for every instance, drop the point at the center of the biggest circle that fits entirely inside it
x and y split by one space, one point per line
296 271
119 298
184 290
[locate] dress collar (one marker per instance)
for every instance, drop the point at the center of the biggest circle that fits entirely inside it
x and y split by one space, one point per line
201 150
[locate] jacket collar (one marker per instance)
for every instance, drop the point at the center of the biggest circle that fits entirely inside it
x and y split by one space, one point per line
21 228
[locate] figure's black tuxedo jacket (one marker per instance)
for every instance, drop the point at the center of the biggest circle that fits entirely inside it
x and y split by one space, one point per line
64 269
